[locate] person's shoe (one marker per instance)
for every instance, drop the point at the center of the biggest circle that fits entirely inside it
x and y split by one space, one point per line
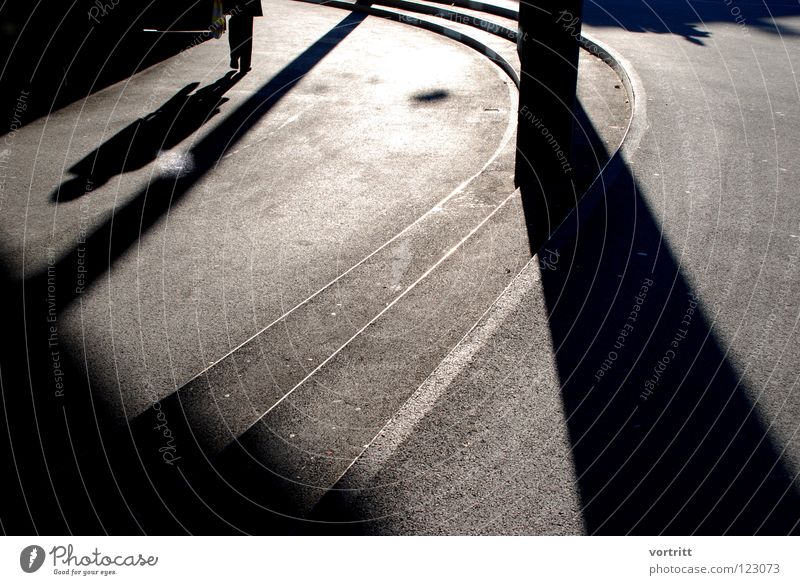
234 63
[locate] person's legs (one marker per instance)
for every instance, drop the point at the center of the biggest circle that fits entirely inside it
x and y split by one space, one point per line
246 52
235 31
241 41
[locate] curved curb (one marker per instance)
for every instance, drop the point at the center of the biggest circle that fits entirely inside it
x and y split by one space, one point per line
460 356
637 126
472 43
487 26
492 9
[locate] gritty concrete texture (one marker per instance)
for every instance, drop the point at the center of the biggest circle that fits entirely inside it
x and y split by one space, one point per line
310 190
289 459
481 447
670 403
285 295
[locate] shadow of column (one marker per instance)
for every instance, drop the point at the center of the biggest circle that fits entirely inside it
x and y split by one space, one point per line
665 437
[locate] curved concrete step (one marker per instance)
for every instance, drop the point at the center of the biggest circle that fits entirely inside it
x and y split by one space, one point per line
461 27
504 28
488 17
506 9
450 252
275 436
224 400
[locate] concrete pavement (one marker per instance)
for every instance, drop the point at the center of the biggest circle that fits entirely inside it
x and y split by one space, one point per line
284 300
657 353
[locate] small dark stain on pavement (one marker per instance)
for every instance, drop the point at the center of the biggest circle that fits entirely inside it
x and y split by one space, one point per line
431 96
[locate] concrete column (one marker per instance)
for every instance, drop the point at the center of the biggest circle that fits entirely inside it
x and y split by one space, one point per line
548 49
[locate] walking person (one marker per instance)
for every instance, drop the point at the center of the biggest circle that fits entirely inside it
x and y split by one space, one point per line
240 31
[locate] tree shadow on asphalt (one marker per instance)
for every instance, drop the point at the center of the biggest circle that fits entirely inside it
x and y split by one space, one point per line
78 469
689 19
666 438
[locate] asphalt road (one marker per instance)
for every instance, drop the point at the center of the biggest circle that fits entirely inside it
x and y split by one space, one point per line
361 248
717 171
655 353
155 227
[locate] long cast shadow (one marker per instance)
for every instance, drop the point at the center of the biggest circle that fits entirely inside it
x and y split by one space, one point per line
665 438
141 142
76 470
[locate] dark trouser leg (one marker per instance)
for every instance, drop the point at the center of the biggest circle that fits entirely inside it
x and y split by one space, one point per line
234 41
241 40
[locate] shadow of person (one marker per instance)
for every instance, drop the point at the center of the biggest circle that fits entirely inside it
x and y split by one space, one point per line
141 142
91 472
